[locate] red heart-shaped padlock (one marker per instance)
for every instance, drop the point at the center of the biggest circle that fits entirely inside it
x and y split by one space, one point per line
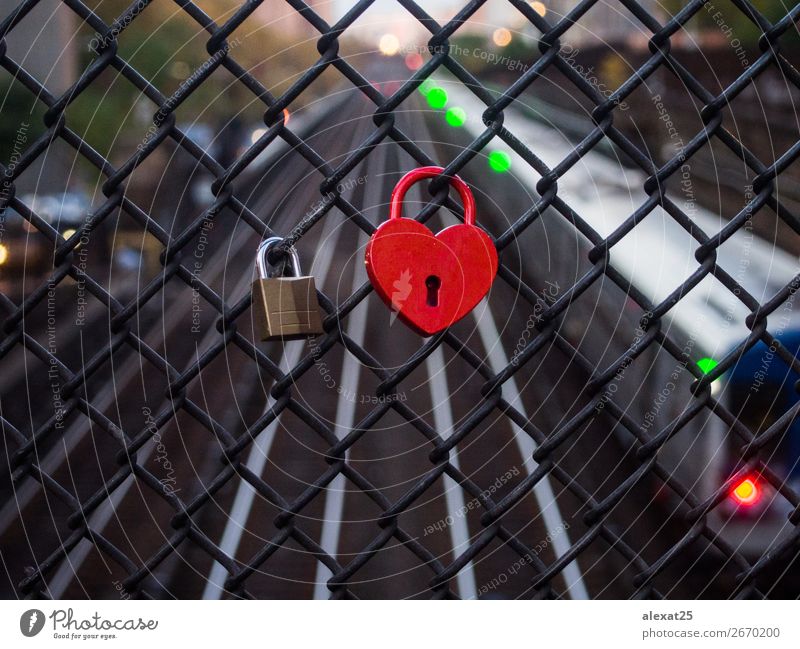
430 281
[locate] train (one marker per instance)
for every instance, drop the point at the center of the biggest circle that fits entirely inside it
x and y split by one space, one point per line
708 322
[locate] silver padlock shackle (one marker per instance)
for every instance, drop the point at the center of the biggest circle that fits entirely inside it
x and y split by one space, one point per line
261 257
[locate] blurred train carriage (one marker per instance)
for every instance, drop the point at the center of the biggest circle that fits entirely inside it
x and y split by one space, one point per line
707 323
761 390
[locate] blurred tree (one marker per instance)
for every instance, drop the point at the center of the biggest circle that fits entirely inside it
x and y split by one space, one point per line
463 46
168 48
719 14
477 53
18 107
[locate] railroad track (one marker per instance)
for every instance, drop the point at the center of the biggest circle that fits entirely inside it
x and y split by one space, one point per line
390 453
393 457
28 506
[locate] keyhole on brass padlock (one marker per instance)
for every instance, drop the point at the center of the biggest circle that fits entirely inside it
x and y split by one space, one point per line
433 284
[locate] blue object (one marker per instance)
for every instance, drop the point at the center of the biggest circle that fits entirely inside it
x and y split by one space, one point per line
761 368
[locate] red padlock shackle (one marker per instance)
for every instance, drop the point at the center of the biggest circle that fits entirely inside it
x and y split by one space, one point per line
415 175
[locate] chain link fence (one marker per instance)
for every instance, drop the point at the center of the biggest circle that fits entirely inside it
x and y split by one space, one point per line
616 374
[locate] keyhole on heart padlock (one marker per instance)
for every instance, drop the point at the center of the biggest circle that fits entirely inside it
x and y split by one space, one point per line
433 284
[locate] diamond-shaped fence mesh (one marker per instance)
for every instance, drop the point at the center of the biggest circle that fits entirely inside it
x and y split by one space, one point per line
616 419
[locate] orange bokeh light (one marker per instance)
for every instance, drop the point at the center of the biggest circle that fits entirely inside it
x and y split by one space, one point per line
501 37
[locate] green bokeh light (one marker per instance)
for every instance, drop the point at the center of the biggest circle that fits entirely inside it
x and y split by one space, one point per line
706 365
437 98
426 86
499 161
456 116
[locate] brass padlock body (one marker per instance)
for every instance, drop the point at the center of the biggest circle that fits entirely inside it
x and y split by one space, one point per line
286 308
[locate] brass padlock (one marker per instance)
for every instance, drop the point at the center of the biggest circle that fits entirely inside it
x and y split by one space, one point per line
285 308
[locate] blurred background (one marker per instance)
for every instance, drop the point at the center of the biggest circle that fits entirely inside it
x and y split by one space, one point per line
277 45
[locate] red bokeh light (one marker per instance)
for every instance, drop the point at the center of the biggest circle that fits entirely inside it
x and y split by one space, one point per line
746 492
414 61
